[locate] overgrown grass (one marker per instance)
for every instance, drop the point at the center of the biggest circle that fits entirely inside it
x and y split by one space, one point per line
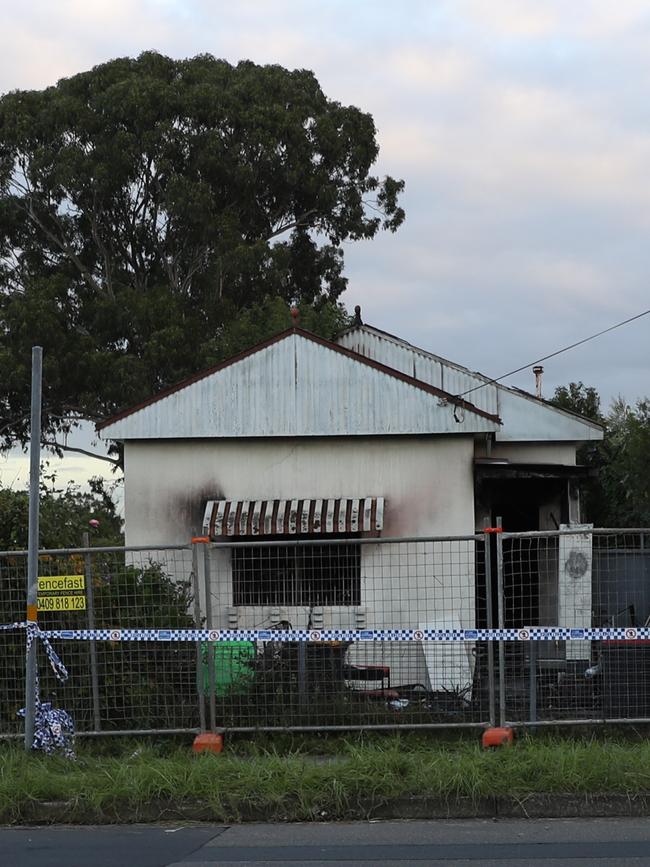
285 781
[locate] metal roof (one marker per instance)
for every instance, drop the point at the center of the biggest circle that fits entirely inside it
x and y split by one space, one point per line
298 384
422 365
524 417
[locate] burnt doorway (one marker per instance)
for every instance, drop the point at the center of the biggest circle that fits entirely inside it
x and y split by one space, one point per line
518 502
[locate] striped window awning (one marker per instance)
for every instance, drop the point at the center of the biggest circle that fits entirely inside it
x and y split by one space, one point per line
292 517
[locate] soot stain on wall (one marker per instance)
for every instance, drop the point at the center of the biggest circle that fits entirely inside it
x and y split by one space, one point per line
188 508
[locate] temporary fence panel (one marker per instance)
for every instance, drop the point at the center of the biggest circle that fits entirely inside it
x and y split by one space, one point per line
133 665
371 587
531 628
594 583
13 589
112 685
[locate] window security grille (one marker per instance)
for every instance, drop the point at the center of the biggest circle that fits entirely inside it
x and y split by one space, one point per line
289 575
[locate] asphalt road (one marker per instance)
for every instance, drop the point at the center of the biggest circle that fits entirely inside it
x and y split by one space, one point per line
463 843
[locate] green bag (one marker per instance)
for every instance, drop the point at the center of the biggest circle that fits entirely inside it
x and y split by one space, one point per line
233 670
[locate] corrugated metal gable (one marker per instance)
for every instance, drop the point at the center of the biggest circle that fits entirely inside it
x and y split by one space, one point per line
421 365
338 395
532 420
523 417
296 386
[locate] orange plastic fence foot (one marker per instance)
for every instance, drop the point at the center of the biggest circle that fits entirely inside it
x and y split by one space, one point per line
497 737
207 742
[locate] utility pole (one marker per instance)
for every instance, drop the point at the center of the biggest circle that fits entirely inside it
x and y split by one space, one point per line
33 540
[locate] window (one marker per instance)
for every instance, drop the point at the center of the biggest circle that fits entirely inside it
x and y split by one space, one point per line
297 575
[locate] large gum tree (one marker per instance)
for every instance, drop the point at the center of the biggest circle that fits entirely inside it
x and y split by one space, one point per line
150 206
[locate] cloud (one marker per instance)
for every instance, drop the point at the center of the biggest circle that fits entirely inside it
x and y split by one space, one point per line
511 18
520 127
47 41
14 470
414 67
532 19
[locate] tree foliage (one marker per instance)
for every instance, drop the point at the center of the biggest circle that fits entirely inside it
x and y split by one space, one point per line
625 476
65 514
579 398
150 207
619 493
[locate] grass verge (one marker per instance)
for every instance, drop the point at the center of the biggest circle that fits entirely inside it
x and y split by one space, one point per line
351 778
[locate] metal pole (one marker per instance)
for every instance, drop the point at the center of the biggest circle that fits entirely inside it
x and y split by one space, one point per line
302 675
302 647
490 625
33 539
200 680
532 662
90 602
210 625
501 625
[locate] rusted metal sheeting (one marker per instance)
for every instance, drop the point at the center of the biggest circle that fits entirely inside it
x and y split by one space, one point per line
293 517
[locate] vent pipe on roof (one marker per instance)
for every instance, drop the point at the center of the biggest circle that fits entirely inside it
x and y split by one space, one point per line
357 315
538 371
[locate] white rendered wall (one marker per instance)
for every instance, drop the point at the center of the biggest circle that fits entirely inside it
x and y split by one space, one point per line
427 481
428 486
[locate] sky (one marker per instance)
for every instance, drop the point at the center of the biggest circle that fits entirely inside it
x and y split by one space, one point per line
521 129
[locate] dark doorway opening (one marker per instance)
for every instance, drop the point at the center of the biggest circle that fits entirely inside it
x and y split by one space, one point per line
517 501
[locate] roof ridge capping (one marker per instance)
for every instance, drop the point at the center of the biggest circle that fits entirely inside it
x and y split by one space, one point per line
457 401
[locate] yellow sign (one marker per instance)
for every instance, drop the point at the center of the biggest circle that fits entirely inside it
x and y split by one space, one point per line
62 603
60 583
55 593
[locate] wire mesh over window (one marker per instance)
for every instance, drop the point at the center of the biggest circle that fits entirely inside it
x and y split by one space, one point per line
292 575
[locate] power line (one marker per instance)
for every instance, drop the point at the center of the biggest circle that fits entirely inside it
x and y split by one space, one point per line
553 354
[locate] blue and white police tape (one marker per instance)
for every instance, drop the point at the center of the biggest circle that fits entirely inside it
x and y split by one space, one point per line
33 632
53 727
53 730
534 633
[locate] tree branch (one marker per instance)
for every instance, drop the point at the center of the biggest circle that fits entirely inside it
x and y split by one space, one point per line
76 416
193 267
56 445
294 224
94 228
65 248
